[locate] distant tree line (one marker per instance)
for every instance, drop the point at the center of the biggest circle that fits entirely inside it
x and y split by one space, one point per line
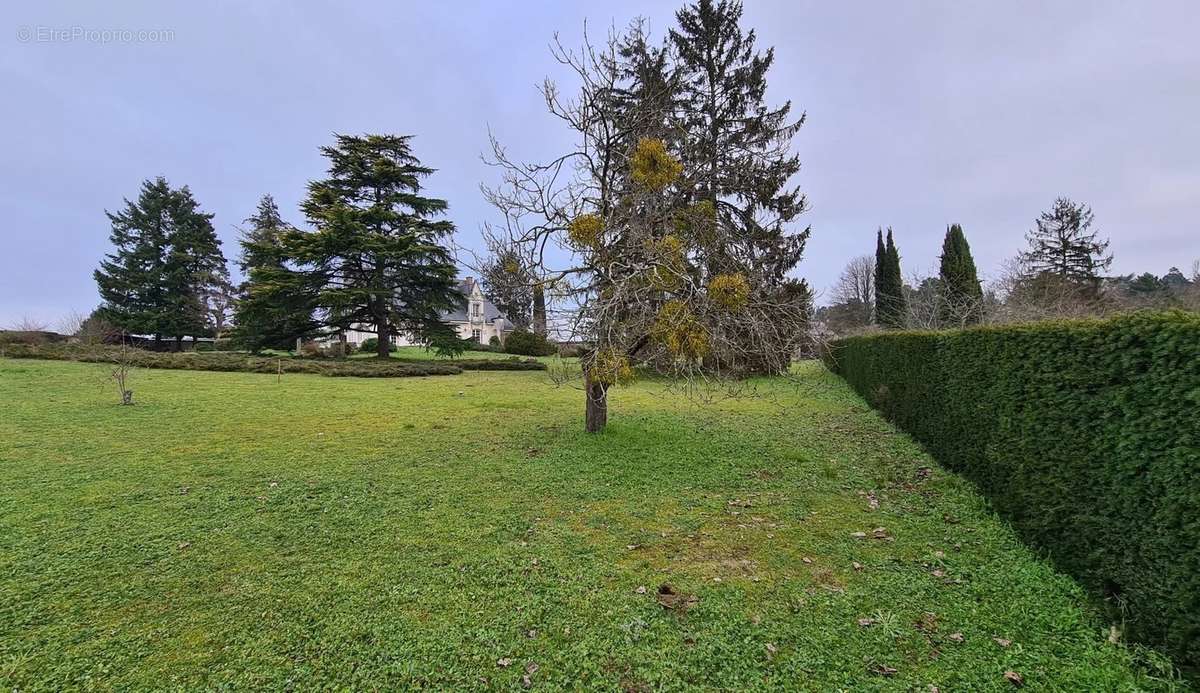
1060 273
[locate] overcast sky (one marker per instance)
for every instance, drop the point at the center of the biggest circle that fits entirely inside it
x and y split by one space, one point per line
920 114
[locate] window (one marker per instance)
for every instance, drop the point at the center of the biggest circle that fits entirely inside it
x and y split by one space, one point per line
477 335
475 308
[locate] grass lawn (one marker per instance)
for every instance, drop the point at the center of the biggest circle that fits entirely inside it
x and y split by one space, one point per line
461 531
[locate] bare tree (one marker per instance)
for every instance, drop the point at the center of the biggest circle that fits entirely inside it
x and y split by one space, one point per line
637 282
28 323
855 289
122 365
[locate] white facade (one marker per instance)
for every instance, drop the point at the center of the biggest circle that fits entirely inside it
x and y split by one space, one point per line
477 320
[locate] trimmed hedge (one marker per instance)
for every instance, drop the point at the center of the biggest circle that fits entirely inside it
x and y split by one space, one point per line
229 362
1085 435
246 363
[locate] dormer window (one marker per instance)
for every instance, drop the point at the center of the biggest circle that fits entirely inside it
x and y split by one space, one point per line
476 309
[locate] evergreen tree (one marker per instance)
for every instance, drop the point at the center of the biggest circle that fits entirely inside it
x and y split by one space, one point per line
740 146
167 260
961 296
194 268
276 303
895 305
739 166
376 253
1062 245
883 292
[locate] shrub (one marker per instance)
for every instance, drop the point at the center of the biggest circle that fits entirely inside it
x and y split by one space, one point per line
371 344
1084 434
494 342
528 344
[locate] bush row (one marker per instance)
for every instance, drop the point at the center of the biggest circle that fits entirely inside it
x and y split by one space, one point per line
1084 434
226 361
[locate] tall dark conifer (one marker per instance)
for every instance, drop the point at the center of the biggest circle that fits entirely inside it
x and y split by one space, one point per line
276 304
738 148
167 260
882 290
376 250
895 304
961 296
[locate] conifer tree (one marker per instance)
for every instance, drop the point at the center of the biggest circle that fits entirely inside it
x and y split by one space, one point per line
167 260
882 290
376 252
961 297
1063 245
276 303
897 311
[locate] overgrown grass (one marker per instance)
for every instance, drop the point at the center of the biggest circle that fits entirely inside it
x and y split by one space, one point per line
231 531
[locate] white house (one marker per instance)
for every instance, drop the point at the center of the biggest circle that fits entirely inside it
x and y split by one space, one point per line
475 319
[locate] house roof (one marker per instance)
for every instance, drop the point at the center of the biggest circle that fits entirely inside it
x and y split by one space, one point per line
491 313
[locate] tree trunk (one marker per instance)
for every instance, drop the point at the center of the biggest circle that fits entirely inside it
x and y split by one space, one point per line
539 309
384 338
178 343
596 412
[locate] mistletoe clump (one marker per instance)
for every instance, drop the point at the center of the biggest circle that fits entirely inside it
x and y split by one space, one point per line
610 367
585 231
668 265
729 291
653 166
677 329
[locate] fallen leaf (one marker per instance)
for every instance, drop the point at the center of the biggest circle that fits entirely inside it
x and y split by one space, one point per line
806 559
864 622
631 547
184 545
927 623
939 573
531 667
526 682
883 670
1014 678
1002 642
939 554
956 637
641 589
531 634
503 662
771 649
880 533
857 566
859 535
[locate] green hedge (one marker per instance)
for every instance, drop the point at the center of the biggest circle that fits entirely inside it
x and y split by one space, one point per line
1084 434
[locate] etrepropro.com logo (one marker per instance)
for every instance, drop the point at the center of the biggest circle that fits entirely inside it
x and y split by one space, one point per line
81 34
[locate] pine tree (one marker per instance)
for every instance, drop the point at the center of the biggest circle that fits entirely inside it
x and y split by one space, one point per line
883 292
167 260
276 303
961 296
1063 246
375 250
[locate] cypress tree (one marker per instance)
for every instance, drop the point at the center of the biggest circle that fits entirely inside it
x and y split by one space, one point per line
958 281
276 302
376 253
891 309
882 292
